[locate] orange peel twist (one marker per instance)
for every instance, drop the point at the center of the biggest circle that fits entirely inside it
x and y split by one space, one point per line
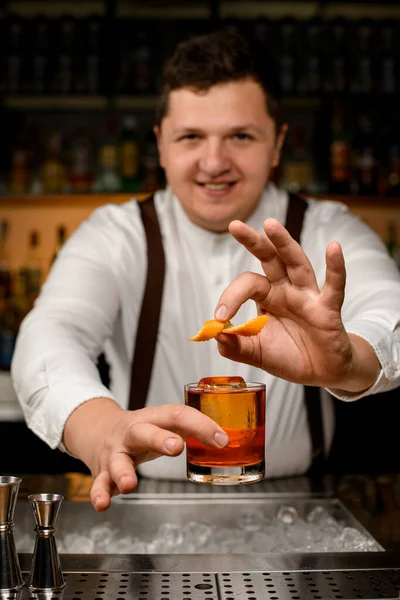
212 328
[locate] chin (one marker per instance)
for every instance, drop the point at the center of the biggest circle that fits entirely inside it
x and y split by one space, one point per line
218 228
217 225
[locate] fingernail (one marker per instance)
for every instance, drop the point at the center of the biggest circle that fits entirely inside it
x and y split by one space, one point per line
221 312
221 438
96 501
170 444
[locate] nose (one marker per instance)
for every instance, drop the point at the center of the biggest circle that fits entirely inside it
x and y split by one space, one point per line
214 160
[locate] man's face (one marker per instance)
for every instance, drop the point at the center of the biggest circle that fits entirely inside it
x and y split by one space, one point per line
217 148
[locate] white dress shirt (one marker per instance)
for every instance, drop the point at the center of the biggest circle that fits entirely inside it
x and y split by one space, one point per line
92 298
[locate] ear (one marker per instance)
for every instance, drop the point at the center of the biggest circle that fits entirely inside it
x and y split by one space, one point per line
157 133
279 144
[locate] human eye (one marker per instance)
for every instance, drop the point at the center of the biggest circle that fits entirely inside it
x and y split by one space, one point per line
188 137
242 136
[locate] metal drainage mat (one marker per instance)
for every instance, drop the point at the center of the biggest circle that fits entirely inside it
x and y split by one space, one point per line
294 585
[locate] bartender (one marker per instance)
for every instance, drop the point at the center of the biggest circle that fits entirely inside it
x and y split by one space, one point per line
137 280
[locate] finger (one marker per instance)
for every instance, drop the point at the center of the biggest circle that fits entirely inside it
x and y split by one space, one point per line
149 438
297 264
102 489
261 247
239 349
183 420
121 468
247 286
332 294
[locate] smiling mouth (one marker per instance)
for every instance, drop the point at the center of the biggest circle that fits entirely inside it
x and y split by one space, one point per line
217 187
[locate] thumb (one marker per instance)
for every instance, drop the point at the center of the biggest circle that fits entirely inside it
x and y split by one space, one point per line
238 348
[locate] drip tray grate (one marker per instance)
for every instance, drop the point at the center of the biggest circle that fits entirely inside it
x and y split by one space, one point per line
293 585
313 585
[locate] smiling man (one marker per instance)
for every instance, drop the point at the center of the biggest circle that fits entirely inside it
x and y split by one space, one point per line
332 297
218 164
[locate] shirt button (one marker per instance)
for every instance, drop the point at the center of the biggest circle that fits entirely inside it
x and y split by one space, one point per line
218 280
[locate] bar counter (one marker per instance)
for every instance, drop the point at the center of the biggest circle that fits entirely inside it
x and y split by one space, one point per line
373 500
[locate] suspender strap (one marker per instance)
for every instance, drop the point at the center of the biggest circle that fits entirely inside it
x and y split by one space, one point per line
294 223
295 216
146 337
312 399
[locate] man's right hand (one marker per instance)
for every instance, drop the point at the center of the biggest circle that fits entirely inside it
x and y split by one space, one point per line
112 441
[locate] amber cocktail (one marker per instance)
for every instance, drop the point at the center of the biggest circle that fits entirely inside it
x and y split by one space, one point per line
239 408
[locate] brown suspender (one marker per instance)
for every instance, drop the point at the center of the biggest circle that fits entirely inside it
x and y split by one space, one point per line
146 337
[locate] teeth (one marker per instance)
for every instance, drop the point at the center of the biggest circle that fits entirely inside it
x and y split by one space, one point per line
217 186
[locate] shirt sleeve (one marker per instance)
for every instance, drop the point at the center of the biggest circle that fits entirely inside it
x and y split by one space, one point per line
54 364
371 307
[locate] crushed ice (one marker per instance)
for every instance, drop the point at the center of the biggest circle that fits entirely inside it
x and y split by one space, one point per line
254 533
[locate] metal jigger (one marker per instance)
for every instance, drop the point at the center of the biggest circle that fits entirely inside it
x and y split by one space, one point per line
46 573
10 571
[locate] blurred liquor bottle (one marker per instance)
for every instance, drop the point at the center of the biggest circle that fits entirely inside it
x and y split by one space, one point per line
366 180
123 76
298 172
5 267
20 174
95 41
8 334
129 156
10 320
53 171
135 63
108 179
67 56
89 51
336 59
41 70
135 73
3 185
142 69
340 152
81 163
389 57
386 129
31 271
152 172
309 79
393 176
286 59
15 57
61 234
362 58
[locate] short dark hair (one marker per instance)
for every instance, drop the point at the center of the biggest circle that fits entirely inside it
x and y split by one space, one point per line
220 57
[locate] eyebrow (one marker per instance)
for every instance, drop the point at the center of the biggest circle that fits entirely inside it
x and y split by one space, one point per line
247 126
183 130
234 129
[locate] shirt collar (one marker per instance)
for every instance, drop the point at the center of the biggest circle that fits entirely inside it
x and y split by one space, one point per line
273 203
